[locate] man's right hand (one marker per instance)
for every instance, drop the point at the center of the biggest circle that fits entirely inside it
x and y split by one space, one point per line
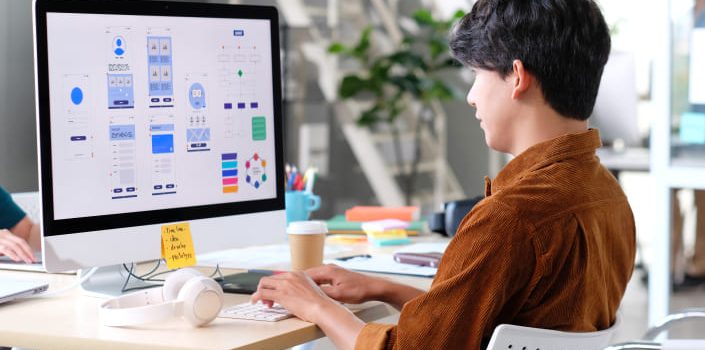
344 285
355 288
15 247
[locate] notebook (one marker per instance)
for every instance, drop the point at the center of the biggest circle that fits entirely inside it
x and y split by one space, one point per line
11 288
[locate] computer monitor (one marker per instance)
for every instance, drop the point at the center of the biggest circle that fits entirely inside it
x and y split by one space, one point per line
153 113
615 112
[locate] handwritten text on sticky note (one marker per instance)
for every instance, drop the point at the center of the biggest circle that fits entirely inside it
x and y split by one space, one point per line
177 246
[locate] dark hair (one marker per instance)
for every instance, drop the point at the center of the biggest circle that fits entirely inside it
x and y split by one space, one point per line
563 43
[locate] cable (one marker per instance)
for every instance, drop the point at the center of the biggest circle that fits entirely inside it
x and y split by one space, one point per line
217 271
82 279
127 279
143 278
150 276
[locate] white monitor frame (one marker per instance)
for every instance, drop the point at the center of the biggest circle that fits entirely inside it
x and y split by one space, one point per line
103 240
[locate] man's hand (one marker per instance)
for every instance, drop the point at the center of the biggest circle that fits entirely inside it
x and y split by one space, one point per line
300 295
354 288
294 291
344 285
15 247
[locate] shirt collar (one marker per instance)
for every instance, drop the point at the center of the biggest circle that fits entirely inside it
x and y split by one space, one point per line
542 154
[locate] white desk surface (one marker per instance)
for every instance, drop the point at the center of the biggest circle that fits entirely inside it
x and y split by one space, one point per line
70 321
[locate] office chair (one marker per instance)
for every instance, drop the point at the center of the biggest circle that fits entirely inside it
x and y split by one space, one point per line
511 337
647 342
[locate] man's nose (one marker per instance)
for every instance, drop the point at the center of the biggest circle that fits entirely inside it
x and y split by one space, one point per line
470 100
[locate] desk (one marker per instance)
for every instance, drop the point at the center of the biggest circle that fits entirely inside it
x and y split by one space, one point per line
70 321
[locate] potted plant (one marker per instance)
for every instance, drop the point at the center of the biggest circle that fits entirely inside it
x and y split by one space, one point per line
388 80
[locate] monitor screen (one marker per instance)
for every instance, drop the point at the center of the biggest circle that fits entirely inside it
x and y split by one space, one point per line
152 113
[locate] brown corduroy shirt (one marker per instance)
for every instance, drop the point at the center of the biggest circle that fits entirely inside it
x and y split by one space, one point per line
551 246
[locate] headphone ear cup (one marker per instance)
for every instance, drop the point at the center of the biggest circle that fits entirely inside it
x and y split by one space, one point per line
202 300
176 280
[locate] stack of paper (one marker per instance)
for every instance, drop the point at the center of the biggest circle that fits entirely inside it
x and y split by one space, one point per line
339 225
386 232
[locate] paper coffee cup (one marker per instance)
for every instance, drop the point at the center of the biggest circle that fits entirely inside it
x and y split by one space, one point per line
306 240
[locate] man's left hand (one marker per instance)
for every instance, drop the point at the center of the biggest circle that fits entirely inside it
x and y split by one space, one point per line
296 292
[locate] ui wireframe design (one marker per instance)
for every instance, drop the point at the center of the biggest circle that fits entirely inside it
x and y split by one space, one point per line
153 112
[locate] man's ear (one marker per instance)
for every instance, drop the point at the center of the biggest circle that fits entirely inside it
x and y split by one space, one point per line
522 79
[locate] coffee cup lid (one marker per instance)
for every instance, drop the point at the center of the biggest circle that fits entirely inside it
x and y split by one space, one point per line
307 227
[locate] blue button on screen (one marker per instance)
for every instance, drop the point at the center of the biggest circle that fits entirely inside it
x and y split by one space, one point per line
76 96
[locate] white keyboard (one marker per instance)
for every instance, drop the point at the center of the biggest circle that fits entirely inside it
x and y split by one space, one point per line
256 312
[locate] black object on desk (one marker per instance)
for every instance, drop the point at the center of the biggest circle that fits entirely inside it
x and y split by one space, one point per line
447 222
243 282
362 256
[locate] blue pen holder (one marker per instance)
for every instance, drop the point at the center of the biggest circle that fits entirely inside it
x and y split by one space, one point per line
300 204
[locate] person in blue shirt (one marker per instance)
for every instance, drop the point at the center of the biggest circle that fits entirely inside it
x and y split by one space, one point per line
19 236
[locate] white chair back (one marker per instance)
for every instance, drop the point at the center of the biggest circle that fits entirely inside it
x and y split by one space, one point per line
511 337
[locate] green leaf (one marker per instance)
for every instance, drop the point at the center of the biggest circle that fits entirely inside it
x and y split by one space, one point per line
396 106
424 17
439 90
379 69
409 60
337 48
409 83
363 45
437 47
352 85
369 117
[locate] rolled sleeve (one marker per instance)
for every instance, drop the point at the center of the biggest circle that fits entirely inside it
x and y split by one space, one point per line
375 336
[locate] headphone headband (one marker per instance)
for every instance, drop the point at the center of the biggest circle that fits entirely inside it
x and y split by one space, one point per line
145 306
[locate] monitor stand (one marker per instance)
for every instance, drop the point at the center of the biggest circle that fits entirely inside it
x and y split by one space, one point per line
108 282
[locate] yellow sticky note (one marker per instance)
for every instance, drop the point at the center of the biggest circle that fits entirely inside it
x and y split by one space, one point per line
392 233
177 246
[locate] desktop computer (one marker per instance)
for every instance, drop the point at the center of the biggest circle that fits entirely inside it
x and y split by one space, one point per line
152 113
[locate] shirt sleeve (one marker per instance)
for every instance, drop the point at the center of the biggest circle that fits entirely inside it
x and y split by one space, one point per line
375 336
482 279
10 213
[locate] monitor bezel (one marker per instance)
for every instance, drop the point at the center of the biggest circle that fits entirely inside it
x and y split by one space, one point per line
53 227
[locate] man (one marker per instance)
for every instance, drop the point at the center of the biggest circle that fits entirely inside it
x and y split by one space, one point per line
552 245
19 236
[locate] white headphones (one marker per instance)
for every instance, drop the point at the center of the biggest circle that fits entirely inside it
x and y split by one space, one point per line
186 293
